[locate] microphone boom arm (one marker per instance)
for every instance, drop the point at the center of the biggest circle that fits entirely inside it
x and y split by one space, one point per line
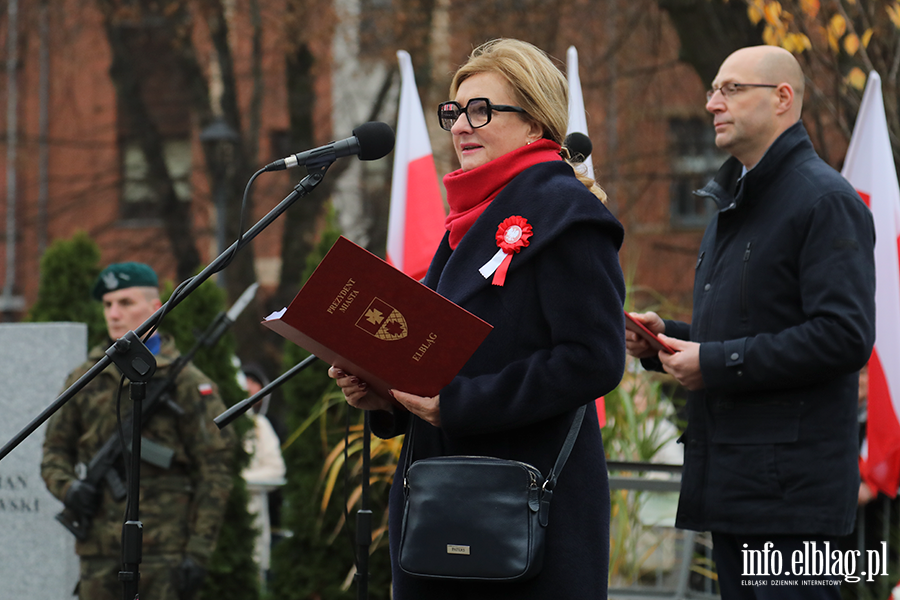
306 185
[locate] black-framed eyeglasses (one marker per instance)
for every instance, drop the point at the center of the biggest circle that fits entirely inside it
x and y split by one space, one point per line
730 89
478 112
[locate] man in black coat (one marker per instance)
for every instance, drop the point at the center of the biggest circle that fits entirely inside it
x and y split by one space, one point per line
783 320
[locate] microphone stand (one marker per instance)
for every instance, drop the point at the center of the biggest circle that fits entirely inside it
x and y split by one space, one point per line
133 529
138 364
364 517
244 405
364 514
138 368
303 188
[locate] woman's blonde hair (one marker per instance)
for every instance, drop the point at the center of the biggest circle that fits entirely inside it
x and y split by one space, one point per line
537 86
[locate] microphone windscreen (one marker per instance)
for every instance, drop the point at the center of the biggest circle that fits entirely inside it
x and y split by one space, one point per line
579 145
376 139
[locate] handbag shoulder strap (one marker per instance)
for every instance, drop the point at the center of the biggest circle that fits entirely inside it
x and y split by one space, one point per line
566 448
550 483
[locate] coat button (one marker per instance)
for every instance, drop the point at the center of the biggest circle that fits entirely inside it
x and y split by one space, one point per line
735 356
706 287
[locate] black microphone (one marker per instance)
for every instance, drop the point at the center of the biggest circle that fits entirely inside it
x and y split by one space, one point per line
371 141
579 145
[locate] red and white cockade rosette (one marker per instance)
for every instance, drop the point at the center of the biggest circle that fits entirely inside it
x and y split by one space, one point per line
512 235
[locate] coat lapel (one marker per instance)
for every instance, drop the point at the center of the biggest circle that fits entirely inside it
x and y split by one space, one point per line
460 279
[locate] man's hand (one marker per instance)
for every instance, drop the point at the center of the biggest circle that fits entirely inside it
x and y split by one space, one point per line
683 365
83 498
637 346
866 494
189 577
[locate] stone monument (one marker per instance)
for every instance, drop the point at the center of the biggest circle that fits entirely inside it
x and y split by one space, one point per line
38 553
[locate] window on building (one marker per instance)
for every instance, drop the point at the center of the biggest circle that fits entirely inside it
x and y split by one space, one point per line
695 160
166 100
139 201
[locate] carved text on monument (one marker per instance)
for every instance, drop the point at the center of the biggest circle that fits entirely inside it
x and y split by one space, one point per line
14 496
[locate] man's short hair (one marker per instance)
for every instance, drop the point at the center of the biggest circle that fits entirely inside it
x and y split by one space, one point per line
119 276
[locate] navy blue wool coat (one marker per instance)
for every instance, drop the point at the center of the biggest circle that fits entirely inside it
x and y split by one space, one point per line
557 344
784 311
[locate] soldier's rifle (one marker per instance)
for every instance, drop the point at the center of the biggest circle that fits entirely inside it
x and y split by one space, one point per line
102 467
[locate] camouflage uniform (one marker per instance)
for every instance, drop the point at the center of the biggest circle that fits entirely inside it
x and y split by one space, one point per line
181 508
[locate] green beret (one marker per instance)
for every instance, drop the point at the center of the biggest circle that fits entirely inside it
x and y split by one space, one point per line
119 276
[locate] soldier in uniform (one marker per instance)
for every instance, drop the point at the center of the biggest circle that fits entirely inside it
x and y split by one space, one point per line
181 506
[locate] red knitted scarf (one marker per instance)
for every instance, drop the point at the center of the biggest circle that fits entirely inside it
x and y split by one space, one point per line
469 193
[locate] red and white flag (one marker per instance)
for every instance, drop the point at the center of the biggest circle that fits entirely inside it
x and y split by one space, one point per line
577 115
578 122
869 167
416 222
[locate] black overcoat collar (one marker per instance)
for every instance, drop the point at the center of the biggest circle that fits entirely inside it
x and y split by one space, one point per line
547 195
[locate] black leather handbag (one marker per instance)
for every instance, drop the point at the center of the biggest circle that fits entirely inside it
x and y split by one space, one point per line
477 517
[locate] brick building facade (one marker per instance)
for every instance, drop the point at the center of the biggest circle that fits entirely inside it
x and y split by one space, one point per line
76 167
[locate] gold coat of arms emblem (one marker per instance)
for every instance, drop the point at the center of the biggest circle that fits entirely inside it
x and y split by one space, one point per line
383 321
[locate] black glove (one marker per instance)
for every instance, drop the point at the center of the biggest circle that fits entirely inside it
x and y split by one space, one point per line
83 498
189 577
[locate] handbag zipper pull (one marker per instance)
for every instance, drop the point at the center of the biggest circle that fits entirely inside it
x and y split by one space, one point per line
534 503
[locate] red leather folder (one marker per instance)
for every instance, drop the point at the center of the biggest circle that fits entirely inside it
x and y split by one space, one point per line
632 324
371 320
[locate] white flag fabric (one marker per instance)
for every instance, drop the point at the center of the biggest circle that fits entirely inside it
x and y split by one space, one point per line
416 222
869 167
578 122
577 116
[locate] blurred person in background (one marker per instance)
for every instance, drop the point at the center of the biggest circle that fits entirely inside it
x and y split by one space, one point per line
181 506
266 470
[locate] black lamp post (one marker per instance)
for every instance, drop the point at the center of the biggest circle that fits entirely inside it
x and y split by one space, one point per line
220 138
